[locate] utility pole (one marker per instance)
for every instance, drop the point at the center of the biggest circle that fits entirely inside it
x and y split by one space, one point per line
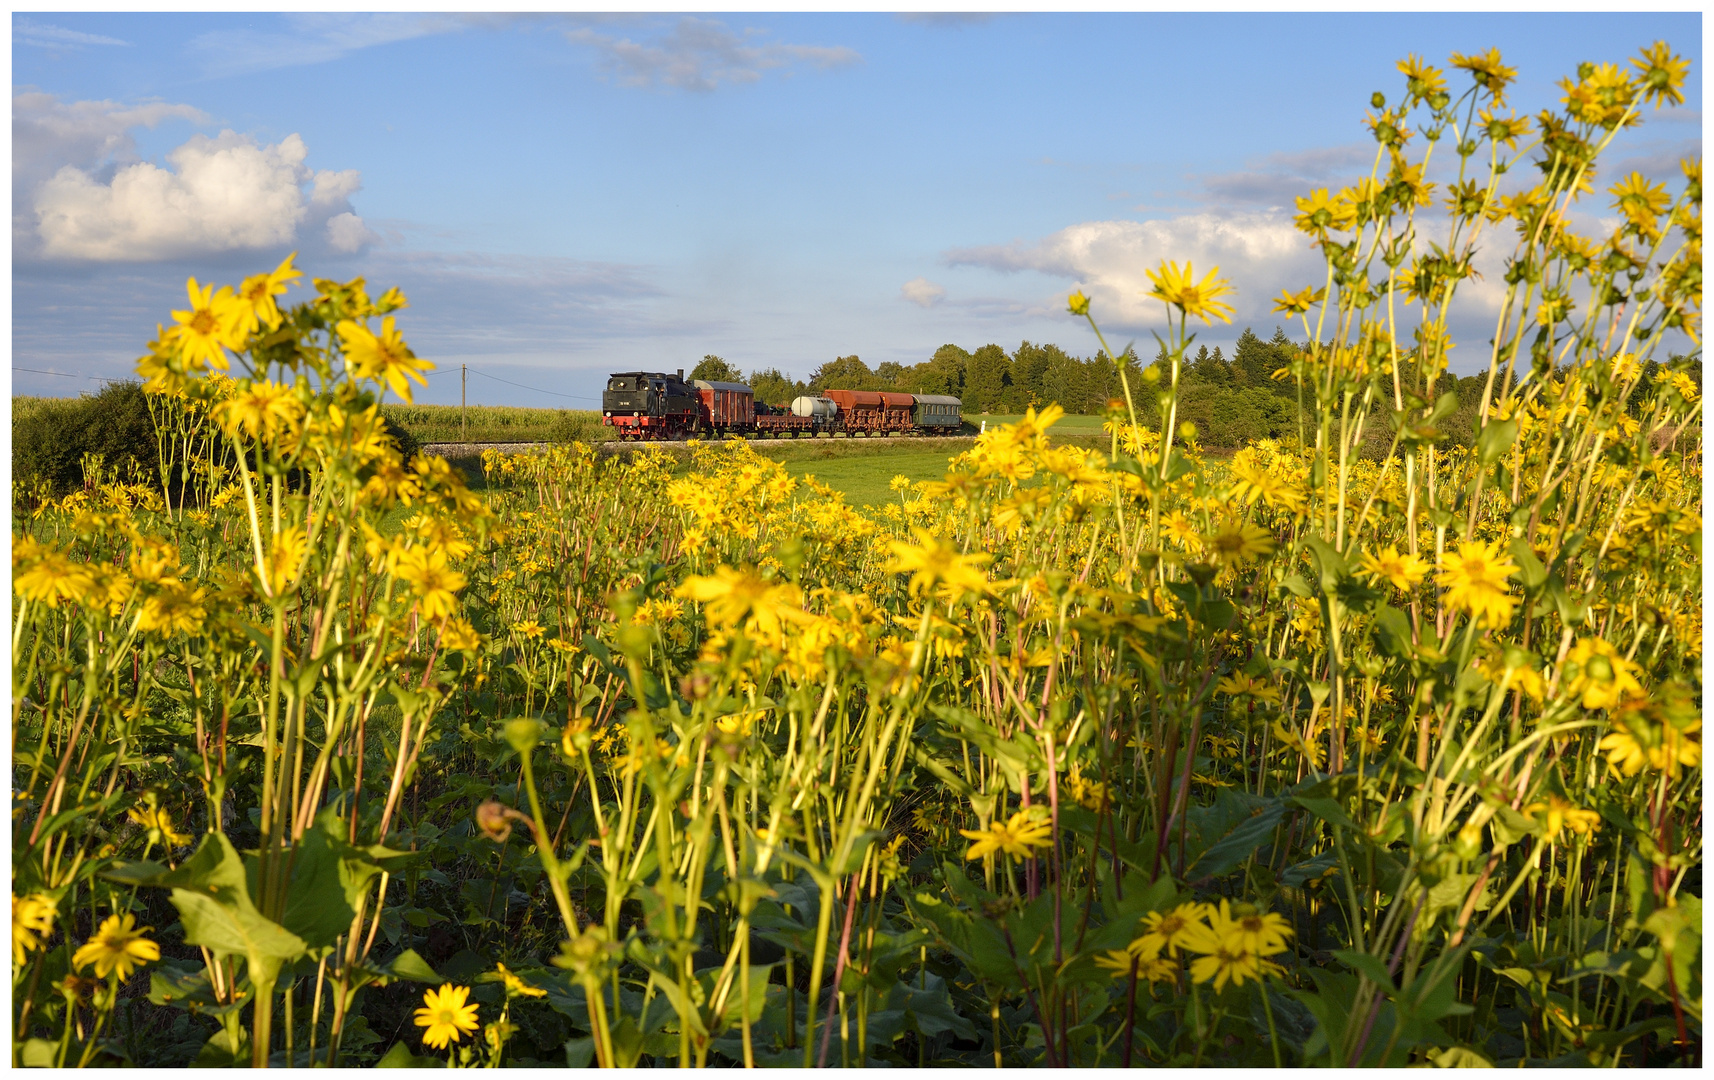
463 381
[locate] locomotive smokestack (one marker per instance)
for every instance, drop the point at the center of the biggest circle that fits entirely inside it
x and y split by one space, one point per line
681 374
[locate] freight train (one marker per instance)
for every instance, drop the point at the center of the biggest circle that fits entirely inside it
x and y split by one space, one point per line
656 405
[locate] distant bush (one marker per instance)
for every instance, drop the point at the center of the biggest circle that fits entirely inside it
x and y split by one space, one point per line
575 425
51 437
409 444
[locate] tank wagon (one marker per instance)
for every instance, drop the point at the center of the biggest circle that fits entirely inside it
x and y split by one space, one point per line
655 405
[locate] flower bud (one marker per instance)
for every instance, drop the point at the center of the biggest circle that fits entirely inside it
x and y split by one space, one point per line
1378 100
1187 431
1078 303
494 821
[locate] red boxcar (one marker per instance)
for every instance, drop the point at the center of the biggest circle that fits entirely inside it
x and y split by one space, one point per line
726 405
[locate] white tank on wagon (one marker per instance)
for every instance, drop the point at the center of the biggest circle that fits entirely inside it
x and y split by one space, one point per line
819 408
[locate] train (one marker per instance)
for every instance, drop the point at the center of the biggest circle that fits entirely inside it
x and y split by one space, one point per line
641 405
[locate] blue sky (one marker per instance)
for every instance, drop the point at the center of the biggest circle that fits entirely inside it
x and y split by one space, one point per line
564 196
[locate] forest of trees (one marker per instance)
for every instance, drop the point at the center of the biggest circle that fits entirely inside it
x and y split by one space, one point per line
1232 400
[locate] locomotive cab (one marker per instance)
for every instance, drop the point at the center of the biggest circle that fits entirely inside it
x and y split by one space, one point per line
649 405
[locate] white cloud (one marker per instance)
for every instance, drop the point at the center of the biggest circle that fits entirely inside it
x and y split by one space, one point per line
48 133
1260 253
27 31
221 194
346 233
923 292
702 54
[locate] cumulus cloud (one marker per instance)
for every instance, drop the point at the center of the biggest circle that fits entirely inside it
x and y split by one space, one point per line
703 54
227 193
1259 252
48 133
922 292
347 234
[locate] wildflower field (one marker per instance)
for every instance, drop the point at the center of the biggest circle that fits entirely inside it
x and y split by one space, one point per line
1070 757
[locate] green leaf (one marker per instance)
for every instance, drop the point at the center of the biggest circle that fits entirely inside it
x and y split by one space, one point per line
1458 1057
400 1057
1495 438
1332 564
411 967
1327 810
316 907
580 1053
1392 632
1368 966
1530 570
211 892
1220 837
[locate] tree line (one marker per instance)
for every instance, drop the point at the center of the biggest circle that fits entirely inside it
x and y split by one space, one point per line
1231 400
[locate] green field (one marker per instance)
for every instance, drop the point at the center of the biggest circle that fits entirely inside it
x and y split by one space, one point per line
492 423
864 478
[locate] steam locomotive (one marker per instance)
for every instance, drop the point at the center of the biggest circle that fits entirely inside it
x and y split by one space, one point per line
656 405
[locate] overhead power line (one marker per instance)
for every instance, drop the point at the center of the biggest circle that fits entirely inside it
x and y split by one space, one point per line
533 389
64 374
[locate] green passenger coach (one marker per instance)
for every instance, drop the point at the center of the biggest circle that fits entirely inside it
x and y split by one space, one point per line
936 411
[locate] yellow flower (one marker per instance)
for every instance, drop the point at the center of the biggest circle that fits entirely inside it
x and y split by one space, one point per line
1487 70
515 985
45 574
286 560
1077 303
1228 963
1168 931
1421 80
1016 837
386 358
1663 74
1404 571
1318 213
529 628
742 597
260 408
156 820
1239 684
117 947
434 582
256 306
1664 735
32 915
1180 289
932 561
175 609
209 328
1504 129
1560 814
446 1016
1240 543
1183 531
1263 934
1297 303
1604 677
1474 578
460 636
